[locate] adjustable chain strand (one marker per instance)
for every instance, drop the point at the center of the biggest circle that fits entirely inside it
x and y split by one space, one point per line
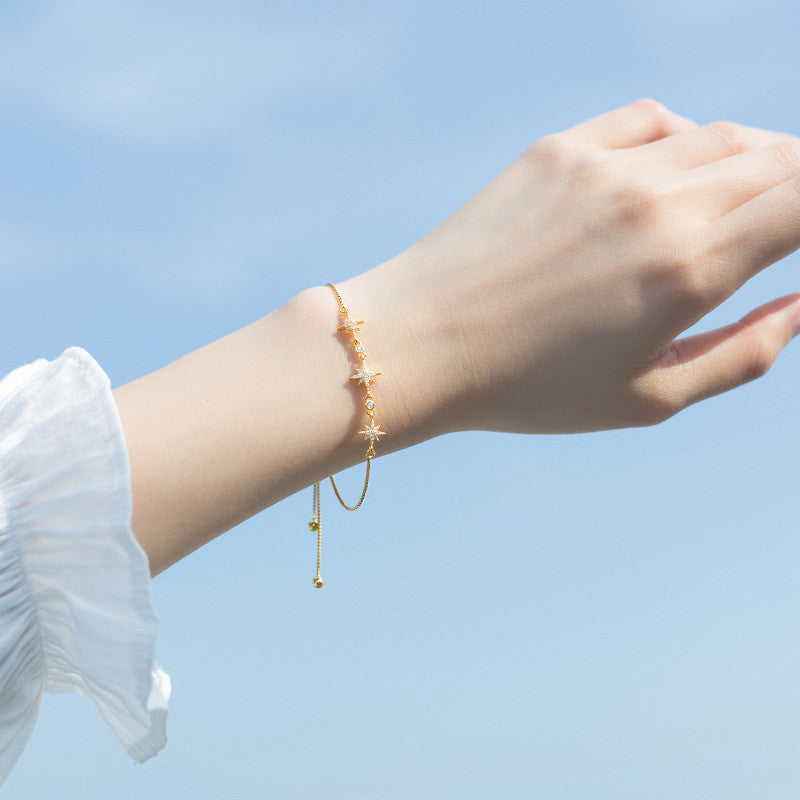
316 525
372 431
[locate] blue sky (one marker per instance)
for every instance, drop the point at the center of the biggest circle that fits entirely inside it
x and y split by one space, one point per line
605 615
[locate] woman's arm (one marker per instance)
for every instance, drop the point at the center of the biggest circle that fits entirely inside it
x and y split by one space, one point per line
550 302
237 425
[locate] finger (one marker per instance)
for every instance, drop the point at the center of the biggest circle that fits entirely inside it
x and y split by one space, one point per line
642 121
703 145
705 364
730 182
754 235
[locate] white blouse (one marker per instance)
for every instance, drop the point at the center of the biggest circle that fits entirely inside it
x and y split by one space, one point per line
76 611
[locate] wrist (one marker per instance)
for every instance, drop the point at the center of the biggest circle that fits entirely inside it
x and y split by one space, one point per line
413 394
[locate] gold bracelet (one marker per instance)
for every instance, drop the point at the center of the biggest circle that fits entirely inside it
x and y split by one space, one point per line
372 431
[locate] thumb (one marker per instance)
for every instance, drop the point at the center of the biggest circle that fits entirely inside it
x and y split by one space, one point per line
699 366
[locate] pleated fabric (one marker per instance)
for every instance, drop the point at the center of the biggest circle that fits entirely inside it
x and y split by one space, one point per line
76 610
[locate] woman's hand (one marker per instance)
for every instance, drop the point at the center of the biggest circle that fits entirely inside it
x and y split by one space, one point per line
550 301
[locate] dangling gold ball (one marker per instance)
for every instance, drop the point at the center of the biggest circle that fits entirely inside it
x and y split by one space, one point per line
318 582
313 525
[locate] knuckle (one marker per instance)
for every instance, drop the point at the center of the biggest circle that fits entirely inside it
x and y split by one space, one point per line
692 288
637 200
590 168
650 108
577 161
787 156
550 149
713 280
757 361
685 274
660 117
729 134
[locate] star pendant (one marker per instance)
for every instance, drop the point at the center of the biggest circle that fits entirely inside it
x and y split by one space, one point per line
364 376
372 431
351 324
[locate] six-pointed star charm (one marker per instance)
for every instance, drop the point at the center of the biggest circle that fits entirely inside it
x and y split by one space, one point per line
364 376
372 431
351 324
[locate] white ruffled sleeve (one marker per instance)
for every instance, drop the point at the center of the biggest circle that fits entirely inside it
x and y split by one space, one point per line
76 611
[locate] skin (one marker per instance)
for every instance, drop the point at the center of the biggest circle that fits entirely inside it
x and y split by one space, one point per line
553 301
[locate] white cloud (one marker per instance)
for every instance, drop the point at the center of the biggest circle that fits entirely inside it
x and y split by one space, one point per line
142 75
111 69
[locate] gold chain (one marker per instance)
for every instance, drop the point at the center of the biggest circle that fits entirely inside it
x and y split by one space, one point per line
371 431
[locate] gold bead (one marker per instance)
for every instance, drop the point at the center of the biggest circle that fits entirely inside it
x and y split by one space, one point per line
318 582
313 525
